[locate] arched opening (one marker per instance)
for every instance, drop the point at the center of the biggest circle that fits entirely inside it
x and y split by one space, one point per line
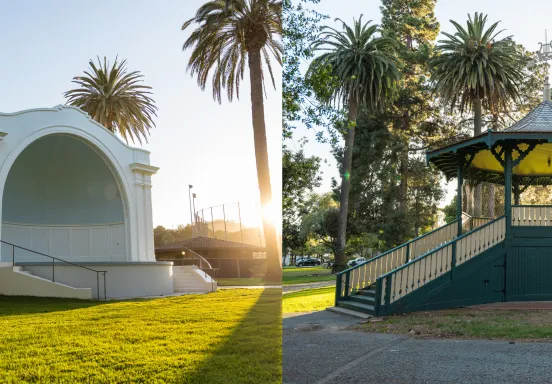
62 199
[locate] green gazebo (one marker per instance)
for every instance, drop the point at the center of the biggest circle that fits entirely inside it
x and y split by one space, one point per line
506 256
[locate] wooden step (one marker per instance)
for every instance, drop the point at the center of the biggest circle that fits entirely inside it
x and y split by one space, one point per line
367 292
363 299
359 307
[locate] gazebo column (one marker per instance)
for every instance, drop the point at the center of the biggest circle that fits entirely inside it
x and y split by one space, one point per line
460 176
508 189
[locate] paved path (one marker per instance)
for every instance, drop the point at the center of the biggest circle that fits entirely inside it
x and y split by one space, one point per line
300 287
319 348
249 286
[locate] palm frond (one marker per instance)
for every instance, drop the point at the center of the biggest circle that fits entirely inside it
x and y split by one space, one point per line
116 99
474 63
227 31
364 65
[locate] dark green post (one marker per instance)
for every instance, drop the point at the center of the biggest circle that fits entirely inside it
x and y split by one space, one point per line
508 189
338 285
459 195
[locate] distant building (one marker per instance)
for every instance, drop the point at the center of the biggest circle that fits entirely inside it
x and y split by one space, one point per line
227 258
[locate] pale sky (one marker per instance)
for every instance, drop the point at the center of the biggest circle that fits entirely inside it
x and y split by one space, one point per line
196 141
526 21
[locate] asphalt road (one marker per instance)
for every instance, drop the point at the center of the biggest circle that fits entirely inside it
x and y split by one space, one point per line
319 348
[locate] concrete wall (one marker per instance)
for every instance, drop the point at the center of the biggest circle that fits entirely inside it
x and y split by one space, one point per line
130 168
123 280
13 283
75 243
60 180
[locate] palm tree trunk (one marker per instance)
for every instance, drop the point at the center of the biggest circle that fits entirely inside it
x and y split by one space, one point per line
477 126
339 264
273 265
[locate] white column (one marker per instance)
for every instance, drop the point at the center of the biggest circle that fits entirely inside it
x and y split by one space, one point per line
144 225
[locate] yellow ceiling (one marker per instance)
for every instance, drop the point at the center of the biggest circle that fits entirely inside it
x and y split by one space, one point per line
537 162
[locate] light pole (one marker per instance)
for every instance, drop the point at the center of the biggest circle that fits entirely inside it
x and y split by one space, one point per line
191 214
195 214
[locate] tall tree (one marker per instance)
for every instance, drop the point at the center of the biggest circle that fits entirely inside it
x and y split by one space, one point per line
229 35
115 99
301 28
414 26
366 71
300 175
475 69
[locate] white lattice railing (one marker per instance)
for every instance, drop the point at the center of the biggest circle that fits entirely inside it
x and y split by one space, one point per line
422 270
471 222
365 274
532 215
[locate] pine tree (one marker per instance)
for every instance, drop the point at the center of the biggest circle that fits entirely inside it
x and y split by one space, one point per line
414 116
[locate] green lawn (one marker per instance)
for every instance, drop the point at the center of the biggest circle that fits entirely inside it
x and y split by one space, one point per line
296 275
308 300
229 281
231 336
290 275
469 323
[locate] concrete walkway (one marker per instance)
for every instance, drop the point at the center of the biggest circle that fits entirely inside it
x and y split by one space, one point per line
300 287
320 347
249 286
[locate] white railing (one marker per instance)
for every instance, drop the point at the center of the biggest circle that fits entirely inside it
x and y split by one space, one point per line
422 270
532 215
471 222
365 274
475 242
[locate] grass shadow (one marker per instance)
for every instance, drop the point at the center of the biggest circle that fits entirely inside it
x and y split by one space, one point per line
252 353
25 305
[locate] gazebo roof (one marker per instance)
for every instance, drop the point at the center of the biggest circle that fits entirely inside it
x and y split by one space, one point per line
538 120
531 141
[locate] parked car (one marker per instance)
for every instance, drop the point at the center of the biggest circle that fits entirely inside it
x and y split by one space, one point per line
358 260
307 262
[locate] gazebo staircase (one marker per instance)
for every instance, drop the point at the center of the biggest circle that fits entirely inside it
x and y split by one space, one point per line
445 267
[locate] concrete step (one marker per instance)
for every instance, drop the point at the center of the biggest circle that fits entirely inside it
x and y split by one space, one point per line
359 307
349 312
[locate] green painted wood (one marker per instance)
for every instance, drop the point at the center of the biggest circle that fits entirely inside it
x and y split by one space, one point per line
338 284
347 278
460 178
529 272
468 286
520 232
508 190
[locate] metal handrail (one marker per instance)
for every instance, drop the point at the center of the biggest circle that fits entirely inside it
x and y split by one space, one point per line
397 247
201 258
63 261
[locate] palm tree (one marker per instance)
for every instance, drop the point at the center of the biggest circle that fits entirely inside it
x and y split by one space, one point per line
472 67
115 99
230 35
365 69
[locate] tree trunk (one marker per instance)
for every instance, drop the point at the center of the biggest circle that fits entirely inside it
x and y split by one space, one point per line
477 126
339 264
403 188
273 265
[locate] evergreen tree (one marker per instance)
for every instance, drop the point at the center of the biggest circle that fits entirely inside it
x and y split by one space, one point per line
415 119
